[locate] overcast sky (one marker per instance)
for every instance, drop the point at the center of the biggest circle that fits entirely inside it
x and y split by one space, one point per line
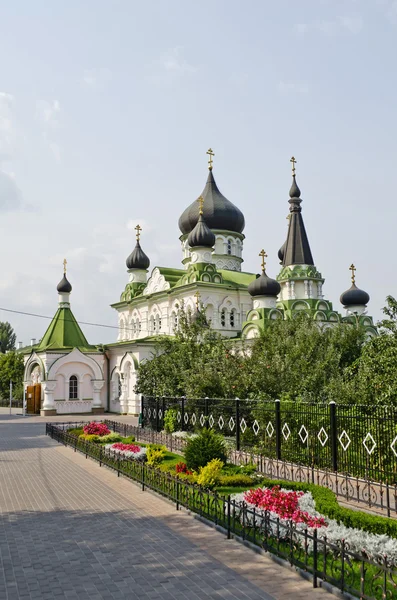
108 107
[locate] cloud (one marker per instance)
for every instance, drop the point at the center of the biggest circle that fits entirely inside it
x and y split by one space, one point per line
344 24
96 78
293 88
48 112
173 62
10 195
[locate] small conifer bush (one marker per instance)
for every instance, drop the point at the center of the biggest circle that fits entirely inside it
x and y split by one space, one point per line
203 448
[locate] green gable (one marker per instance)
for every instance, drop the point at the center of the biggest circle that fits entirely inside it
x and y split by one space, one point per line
64 333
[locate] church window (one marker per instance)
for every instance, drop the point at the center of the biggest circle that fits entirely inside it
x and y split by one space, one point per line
158 319
229 247
119 389
223 317
73 388
233 318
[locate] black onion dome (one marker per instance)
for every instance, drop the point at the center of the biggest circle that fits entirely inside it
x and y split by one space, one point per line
218 211
264 286
294 191
281 252
64 286
354 297
201 235
137 259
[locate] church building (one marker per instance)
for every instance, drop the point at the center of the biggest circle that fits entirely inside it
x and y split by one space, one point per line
71 376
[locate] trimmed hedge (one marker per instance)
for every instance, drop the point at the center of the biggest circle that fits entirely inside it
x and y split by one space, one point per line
235 480
327 504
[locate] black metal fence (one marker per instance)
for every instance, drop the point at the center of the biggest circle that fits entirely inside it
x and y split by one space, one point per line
357 440
333 563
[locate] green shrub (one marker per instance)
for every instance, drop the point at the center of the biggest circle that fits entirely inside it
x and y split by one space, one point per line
75 431
185 477
171 420
209 475
249 469
111 438
155 454
90 437
327 504
235 480
203 448
130 439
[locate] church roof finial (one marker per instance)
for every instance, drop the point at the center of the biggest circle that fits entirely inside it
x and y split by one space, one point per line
138 230
296 250
210 153
353 269
354 296
64 286
138 259
263 254
201 234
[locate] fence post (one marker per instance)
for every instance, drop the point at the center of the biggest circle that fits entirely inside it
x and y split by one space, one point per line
237 424
157 414
206 411
164 409
277 407
333 435
183 413
142 402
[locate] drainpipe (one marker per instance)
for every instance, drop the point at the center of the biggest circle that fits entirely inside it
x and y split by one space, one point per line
108 380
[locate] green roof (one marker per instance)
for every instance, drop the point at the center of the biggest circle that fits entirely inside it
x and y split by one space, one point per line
237 278
172 276
64 333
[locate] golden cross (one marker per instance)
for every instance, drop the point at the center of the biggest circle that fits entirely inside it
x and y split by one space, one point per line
210 153
138 230
352 268
65 262
197 296
293 161
201 203
263 254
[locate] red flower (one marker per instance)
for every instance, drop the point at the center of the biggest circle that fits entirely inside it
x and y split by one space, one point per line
95 428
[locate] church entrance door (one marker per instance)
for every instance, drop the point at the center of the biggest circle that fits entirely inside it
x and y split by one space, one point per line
33 399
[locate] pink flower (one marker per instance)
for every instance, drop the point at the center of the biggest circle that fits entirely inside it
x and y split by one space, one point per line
95 428
129 447
284 504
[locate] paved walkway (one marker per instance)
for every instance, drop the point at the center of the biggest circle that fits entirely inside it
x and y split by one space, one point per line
72 530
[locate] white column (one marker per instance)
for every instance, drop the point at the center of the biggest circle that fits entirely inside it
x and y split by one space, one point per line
97 385
49 387
292 290
310 289
320 289
80 388
306 284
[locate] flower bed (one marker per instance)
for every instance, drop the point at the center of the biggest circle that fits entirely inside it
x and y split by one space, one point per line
95 428
299 507
133 451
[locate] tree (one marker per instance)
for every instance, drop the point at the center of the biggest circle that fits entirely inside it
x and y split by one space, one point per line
7 337
297 360
195 362
11 368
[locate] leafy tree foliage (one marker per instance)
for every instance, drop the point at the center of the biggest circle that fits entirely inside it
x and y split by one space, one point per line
291 360
7 337
11 368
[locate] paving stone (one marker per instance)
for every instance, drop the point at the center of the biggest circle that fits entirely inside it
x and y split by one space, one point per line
70 529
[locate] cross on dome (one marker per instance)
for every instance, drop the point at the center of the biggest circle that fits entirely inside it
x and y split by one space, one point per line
65 262
138 230
210 153
263 254
293 161
352 268
201 204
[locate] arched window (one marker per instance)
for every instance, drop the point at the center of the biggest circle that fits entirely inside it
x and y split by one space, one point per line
174 320
73 388
158 322
223 317
229 247
233 318
119 389
133 327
